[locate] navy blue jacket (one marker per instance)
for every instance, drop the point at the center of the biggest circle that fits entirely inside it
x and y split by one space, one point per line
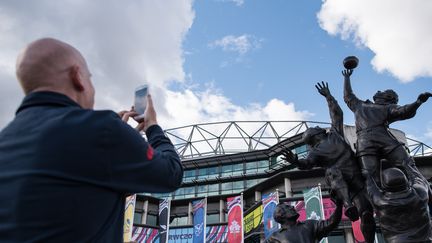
65 171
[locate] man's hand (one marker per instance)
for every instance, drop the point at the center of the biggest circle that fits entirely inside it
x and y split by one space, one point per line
290 156
323 88
125 115
347 73
423 97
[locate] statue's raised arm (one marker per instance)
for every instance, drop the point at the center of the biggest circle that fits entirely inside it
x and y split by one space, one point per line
336 114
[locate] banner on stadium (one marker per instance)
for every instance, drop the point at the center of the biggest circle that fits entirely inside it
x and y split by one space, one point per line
314 206
253 219
164 215
145 235
199 220
129 218
269 202
215 234
235 219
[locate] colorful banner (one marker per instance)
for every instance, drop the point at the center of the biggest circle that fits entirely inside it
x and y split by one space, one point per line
253 219
329 208
129 217
199 220
314 206
269 202
145 235
164 216
215 234
235 219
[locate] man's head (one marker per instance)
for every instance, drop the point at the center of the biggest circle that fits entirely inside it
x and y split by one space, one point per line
394 180
51 65
386 97
285 213
313 135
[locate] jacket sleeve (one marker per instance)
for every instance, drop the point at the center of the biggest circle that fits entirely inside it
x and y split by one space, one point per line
136 165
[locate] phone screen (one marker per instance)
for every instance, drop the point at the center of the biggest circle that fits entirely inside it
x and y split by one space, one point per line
141 93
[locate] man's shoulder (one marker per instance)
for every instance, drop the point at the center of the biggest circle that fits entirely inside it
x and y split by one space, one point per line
85 117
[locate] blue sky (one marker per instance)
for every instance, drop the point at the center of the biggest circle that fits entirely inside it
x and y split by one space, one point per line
218 60
294 52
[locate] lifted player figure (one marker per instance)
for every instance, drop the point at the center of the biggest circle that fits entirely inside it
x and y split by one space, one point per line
329 150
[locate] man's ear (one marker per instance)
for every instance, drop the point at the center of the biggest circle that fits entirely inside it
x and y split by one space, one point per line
76 79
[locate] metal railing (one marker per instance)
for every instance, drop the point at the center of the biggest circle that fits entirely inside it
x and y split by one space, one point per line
230 137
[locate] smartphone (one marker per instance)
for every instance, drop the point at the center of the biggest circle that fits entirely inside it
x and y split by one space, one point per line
140 103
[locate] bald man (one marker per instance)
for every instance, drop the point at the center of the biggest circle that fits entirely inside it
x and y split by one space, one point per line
65 169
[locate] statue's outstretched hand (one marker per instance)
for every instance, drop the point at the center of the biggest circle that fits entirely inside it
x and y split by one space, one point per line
289 156
423 97
347 73
323 88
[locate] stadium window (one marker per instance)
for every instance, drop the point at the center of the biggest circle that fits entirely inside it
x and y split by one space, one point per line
227 187
179 221
202 173
189 175
251 167
273 161
227 170
179 193
238 185
189 191
251 183
212 218
137 218
336 239
213 172
202 190
152 220
263 165
213 189
237 169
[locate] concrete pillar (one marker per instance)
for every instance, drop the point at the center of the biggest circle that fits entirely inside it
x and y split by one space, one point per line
288 188
221 211
349 237
257 196
145 211
190 216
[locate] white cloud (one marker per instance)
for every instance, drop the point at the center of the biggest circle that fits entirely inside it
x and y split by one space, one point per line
211 106
240 44
398 32
125 45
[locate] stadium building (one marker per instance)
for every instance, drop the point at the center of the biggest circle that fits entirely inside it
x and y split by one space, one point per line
226 159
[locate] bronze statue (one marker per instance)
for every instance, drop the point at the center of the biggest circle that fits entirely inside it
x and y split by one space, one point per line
402 205
302 232
372 119
330 151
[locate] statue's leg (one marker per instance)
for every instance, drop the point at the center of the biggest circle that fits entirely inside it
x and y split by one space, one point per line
369 166
340 188
366 214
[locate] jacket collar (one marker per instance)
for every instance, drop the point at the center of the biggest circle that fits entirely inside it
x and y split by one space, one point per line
46 98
